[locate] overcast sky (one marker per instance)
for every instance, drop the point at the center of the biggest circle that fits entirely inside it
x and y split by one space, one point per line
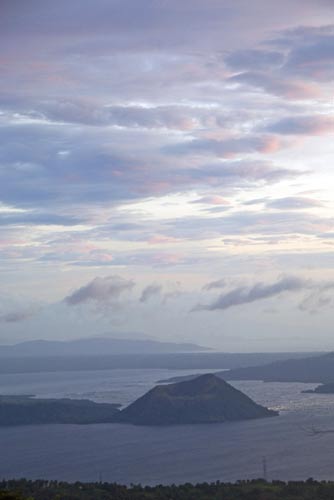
166 171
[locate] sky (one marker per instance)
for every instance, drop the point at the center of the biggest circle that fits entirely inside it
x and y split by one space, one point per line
166 172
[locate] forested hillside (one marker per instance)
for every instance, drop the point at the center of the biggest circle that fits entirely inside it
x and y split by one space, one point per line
242 490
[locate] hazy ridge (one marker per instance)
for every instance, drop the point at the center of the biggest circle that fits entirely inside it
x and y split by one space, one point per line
95 347
183 361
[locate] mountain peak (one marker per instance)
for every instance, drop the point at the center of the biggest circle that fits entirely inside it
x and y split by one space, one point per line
204 399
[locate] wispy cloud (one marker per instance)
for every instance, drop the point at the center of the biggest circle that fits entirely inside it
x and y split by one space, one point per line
294 203
246 295
316 297
100 290
229 147
215 284
303 125
150 292
16 316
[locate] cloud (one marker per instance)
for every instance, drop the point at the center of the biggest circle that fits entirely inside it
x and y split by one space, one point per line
317 294
150 292
115 117
259 291
100 290
254 59
40 219
303 125
312 52
252 223
229 147
163 25
58 170
212 200
160 239
17 309
16 316
215 284
277 84
302 62
315 301
224 174
329 235
293 203
88 112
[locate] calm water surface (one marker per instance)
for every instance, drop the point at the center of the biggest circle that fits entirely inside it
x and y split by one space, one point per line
130 454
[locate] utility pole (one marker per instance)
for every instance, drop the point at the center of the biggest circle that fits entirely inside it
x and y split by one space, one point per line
264 465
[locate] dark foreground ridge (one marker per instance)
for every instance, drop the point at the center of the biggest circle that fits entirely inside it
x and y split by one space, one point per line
204 399
242 490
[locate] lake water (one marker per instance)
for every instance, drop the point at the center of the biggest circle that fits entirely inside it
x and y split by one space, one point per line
149 455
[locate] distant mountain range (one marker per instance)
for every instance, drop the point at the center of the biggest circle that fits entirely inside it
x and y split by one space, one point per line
95 354
317 369
308 369
95 347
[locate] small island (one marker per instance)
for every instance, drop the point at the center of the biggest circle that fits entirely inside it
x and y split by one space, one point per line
204 399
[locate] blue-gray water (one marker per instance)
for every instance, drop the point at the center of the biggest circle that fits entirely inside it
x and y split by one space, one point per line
129 454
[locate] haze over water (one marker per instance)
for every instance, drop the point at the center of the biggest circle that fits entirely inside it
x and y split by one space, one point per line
130 454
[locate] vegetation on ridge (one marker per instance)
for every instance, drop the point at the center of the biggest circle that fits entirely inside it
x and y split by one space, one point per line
242 490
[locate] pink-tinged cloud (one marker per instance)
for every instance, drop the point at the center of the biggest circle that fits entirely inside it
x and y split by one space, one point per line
101 256
166 259
212 200
160 239
300 90
230 148
278 85
270 144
